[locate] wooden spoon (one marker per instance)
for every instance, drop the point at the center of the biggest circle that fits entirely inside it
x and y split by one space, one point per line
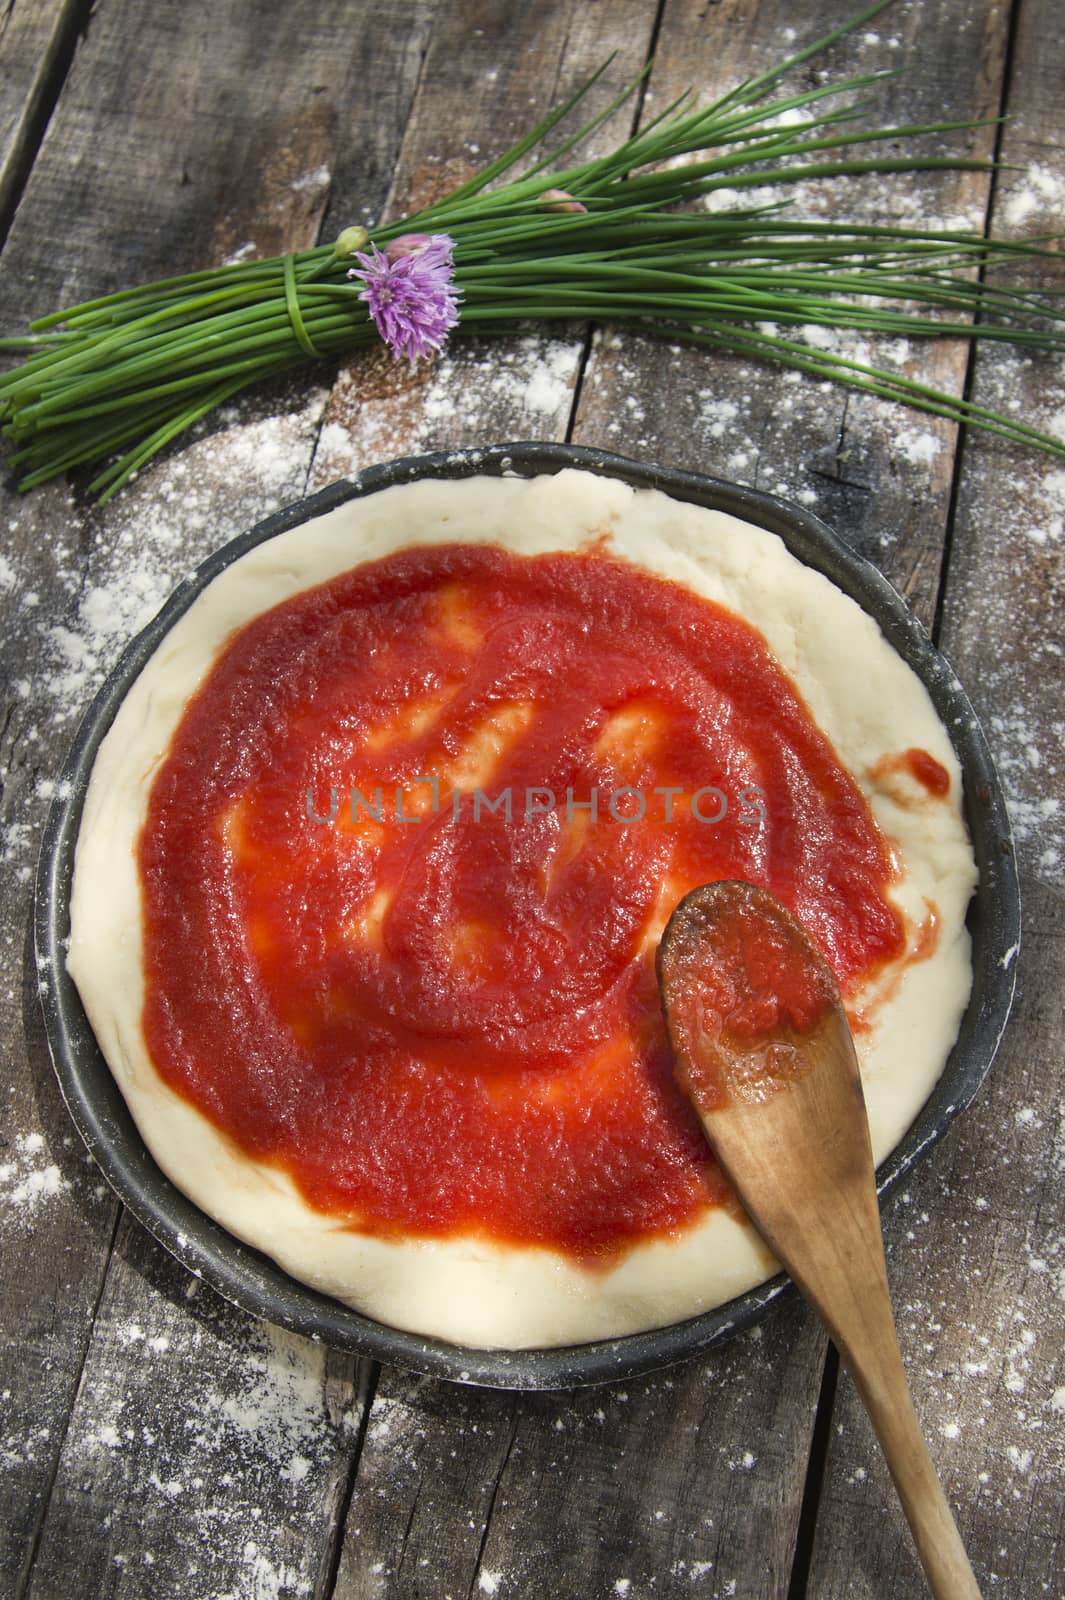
763 1048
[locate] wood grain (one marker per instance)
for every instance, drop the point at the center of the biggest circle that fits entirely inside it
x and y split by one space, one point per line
643 1483
156 1443
979 1236
183 133
36 44
684 1482
880 477
491 72
206 1450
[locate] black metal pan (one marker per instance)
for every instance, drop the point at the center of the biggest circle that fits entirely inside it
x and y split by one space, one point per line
254 1282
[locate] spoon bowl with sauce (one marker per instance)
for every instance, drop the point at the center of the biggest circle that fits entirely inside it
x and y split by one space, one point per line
763 1049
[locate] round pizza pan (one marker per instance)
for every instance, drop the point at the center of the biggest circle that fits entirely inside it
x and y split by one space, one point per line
250 1279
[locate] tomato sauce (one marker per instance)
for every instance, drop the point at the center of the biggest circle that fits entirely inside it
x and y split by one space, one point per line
435 1017
919 765
929 772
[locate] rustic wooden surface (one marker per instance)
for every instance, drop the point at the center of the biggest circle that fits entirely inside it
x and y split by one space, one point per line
36 44
154 1442
978 1264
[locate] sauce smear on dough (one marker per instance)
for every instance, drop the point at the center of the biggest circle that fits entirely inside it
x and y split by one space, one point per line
438 1012
923 768
927 770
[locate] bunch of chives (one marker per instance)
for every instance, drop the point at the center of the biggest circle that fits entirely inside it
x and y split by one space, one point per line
111 382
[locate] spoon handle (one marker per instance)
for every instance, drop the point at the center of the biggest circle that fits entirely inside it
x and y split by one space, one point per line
876 1367
833 1247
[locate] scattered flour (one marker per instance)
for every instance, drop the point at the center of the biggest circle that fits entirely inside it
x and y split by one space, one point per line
1038 195
247 1410
271 1408
243 252
153 539
116 577
719 416
28 1180
920 449
314 182
262 1580
276 1405
528 384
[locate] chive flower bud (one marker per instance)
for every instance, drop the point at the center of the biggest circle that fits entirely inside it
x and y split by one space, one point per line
351 241
560 200
408 244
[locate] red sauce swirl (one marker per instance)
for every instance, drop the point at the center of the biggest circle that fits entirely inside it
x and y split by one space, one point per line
451 1024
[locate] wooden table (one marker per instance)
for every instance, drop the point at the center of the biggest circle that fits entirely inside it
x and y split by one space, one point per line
154 1442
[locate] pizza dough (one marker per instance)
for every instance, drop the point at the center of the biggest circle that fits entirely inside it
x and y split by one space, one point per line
867 702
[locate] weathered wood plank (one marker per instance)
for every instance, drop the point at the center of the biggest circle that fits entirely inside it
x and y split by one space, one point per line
492 72
978 1279
881 478
879 475
183 134
36 43
207 1453
639 1488
649 1485
543 1486
56 1224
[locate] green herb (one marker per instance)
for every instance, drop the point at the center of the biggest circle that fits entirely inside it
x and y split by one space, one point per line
115 380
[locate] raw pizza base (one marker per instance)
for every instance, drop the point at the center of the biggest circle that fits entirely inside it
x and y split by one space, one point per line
862 695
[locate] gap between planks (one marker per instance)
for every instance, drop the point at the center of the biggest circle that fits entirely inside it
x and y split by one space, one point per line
961 445
36 114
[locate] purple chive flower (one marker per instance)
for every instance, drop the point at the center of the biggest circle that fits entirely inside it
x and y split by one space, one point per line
410 294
